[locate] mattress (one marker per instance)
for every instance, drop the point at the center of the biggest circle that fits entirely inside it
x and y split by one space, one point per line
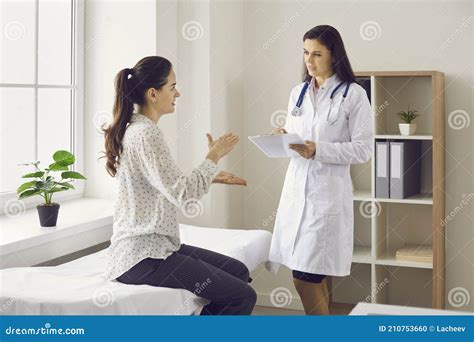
78 288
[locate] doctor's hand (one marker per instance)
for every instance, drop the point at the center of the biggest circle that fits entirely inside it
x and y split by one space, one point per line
306 150
222 146
228 178
279 130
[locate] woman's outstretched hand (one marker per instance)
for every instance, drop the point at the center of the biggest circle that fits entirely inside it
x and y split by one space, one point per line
210 141
228 178
221 147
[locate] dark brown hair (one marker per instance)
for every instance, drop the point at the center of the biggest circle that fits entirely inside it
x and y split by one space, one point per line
331 39
131 86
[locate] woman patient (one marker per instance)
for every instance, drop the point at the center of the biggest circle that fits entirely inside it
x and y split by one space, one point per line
145 246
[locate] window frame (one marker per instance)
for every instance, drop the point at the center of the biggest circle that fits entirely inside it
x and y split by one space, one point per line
9 202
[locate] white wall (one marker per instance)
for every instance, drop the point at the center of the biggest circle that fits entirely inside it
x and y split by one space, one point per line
209 69
117 35
227 107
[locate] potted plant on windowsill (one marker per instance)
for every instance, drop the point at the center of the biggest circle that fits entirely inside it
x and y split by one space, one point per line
407 128
45 185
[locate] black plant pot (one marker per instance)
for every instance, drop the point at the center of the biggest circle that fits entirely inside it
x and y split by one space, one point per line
48 214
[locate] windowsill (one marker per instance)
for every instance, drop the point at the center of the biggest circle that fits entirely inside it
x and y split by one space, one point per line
85 215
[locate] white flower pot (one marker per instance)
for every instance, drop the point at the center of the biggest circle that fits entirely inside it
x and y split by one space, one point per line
407 129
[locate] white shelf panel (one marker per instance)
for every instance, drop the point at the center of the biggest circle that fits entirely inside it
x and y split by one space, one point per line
362 255
422 198
415 199
404 137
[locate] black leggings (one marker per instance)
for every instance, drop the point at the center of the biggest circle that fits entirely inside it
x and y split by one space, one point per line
221 279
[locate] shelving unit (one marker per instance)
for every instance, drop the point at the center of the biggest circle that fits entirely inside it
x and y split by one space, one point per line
383 225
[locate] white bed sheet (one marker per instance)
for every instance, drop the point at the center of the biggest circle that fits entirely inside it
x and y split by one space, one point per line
77 287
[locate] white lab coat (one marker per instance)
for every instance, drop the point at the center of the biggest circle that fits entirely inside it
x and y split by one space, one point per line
314 226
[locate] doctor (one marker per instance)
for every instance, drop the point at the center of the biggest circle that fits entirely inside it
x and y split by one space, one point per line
313 234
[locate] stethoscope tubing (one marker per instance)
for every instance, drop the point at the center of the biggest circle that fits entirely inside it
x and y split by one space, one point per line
297 110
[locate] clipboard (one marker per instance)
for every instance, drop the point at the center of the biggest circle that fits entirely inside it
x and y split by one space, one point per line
276 145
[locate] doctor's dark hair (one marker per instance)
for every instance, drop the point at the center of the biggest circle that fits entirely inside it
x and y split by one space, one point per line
331 39
131 86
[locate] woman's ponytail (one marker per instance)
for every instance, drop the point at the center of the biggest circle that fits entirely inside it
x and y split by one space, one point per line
122 113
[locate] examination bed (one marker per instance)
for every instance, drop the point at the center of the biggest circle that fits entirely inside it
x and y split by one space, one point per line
77 287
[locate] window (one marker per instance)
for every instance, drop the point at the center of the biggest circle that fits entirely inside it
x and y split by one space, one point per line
41 62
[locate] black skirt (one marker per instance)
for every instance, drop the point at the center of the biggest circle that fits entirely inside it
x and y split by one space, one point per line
309 277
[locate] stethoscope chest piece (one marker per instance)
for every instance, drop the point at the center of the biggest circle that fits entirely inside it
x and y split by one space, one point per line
296 111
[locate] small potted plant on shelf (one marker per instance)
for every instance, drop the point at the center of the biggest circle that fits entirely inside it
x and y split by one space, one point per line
407 128
45 185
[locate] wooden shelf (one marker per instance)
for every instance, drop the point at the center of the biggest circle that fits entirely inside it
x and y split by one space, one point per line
412 220
425 73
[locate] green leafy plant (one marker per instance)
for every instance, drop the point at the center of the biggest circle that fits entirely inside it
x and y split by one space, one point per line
45 184
408 116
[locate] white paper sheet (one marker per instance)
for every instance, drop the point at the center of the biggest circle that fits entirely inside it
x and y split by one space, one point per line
276 145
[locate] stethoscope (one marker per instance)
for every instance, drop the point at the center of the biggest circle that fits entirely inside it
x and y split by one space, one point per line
297 110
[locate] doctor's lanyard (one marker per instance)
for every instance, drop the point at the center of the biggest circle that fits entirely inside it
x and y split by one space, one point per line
297 109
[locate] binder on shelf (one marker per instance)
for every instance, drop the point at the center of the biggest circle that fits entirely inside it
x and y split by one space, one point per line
405 168
382 176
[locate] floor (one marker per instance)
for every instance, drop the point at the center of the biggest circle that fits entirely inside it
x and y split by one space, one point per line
336 309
